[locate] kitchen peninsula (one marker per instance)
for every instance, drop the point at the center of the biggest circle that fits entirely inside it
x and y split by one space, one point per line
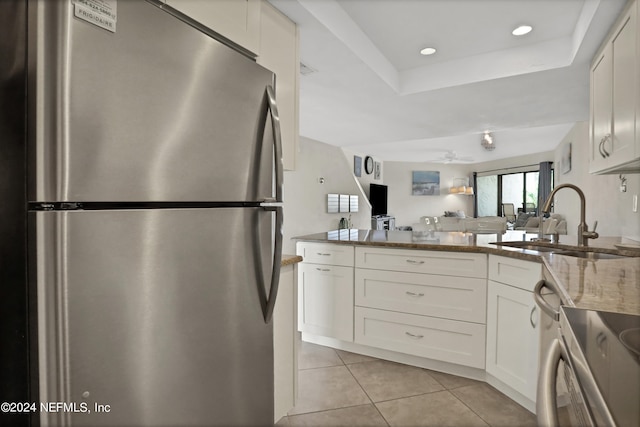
449 301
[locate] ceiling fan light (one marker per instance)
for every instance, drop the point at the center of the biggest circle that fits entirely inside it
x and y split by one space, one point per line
487 142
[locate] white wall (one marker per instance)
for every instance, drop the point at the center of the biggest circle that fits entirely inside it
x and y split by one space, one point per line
408 208
364 179
305 207
604 202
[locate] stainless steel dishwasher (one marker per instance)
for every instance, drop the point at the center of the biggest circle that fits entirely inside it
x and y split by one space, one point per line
600 352
549 298
589 364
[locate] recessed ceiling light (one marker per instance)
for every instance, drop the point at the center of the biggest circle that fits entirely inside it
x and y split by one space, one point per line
428 51
522 30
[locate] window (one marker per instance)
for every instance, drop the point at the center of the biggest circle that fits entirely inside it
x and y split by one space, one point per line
519 188
487 195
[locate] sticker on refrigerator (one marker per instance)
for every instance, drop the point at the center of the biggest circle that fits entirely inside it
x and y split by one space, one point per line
102 13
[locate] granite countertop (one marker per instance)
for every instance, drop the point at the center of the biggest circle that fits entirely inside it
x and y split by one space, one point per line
598 284
290 259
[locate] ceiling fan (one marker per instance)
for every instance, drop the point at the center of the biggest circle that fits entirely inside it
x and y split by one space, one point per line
451 157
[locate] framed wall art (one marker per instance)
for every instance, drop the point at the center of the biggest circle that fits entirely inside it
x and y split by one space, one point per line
565 162
357 166
425 183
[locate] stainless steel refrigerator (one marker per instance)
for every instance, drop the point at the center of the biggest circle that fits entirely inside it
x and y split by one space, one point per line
152 218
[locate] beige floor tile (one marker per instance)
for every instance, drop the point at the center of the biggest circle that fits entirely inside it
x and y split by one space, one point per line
451 381
349 358
327 388
283 422
355 416
494 407
383 380
316 356
439 409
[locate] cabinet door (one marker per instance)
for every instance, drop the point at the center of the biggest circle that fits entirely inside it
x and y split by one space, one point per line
325 300
237 20
614 99
512 337
279 53
622 144
601 106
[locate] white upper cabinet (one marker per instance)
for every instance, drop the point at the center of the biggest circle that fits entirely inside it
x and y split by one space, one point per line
236 20
279 53
614 129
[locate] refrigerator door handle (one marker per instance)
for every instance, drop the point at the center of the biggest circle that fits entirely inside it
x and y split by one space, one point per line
277 143
277 261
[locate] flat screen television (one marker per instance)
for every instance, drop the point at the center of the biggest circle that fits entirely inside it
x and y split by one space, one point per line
378 199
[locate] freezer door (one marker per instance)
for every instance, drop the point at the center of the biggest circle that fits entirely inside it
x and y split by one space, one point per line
155 111
156 317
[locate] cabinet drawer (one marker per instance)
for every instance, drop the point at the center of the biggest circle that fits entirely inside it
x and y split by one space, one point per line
457 298
514 272
439 339
326 253
419 261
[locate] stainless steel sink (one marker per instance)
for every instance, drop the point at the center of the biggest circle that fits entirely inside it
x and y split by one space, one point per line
586 254
529 246
589 255
538 248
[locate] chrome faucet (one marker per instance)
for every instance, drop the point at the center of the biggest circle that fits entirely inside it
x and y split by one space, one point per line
583 230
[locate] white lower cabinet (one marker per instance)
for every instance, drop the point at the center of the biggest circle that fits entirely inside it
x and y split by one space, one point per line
513 325
430 304
325 300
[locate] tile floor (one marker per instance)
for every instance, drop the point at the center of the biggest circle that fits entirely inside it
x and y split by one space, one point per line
338 388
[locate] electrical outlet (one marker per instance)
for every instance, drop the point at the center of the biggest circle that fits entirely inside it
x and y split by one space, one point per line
634 207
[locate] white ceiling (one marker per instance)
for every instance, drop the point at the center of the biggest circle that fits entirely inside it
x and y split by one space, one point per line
375 94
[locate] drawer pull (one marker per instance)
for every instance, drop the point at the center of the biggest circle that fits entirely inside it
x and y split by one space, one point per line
323 254
323 269
411 261
413 294
414 335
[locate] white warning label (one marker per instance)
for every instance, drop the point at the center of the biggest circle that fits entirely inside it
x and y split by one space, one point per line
103 13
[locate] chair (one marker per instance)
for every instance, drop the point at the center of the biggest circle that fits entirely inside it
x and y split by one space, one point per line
530 208
509 212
